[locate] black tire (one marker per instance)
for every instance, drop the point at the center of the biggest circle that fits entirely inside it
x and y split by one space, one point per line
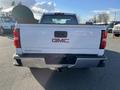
109 30
101 63
117 35
62 69
18 62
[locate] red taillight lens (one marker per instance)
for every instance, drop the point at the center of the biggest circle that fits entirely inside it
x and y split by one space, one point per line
103 39
16 34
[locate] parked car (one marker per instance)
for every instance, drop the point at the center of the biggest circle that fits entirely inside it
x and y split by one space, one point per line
116 30
58 41
6 24
111 25
89 23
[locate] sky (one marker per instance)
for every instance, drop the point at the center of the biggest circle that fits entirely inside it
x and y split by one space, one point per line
7 3
84 8
87 5
87 8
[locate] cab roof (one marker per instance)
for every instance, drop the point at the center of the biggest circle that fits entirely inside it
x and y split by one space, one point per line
58 13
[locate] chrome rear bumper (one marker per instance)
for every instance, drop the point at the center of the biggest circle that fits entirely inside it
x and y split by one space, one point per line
39 62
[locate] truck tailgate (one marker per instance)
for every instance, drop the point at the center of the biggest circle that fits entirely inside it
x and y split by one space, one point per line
70 39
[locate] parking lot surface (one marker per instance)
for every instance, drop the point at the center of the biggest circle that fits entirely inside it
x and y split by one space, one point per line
21 78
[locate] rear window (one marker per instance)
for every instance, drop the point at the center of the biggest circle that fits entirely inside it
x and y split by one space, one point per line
59 19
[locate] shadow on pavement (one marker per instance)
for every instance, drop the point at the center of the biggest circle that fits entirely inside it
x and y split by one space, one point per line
94 79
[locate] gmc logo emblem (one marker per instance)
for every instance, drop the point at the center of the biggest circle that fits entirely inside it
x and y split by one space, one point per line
60 40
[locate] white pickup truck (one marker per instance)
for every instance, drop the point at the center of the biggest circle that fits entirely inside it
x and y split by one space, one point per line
58 41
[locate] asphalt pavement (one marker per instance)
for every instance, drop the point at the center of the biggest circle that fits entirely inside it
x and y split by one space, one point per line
22 78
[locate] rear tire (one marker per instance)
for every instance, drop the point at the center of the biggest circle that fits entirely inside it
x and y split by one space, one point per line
109 31
62 69
17 62
117 35
101 63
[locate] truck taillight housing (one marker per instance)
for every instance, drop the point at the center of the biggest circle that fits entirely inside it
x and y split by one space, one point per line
103 39
16 34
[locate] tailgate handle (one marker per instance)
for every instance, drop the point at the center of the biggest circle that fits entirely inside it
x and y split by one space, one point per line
60 34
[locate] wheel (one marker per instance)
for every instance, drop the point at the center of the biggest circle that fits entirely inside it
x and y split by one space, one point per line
101 63
62 69
117 35
109 30
17 62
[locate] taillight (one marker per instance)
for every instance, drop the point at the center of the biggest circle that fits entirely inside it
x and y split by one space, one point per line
103 39
16 34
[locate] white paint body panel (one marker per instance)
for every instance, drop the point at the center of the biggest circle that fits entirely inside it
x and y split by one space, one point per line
116 29
83 39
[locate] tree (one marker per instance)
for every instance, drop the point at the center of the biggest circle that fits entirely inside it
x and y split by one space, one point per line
1 8
103 18
94 19
13 3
